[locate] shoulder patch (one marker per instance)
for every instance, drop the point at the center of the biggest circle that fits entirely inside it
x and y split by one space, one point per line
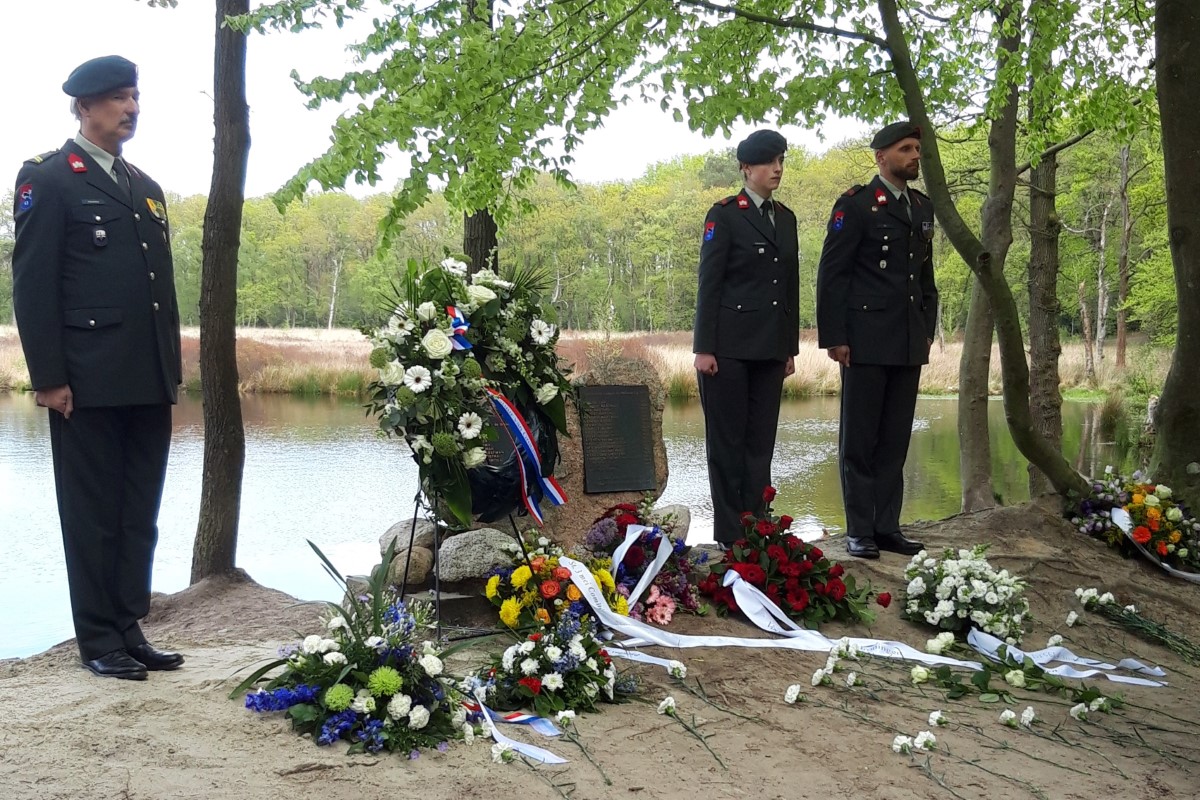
40 158
726 200
853 190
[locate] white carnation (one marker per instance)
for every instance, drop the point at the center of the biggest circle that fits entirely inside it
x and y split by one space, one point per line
432 665
418 717
399 706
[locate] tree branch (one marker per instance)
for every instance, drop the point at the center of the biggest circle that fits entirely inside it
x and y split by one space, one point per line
790 22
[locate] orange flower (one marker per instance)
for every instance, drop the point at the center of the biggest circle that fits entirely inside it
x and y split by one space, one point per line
543 616
549 589
1153 513
1154 525
537 563
1141 534
1138 499
1175 537
573 593
1162 548
562 574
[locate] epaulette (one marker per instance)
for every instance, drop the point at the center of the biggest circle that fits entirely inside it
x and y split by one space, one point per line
779 204
41 158
726 201
853 190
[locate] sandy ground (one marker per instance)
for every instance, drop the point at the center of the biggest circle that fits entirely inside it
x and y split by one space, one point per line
66 734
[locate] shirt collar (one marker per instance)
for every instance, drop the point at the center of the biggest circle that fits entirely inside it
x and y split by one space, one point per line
755 196
895 190
104 158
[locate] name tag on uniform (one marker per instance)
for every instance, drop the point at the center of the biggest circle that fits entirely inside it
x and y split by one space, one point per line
927 229
762 247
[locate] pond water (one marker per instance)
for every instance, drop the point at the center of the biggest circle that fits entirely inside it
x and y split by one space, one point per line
315 470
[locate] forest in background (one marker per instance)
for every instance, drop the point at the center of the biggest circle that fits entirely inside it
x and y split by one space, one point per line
622 255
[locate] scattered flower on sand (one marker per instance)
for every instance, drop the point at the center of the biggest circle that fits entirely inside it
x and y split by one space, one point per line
1027 717
1054 641
1079 711
852 679
667 706
502 753
938 719
1071 619
902 744
792 694
677 669
925 741
919 675
1015 678
1007 717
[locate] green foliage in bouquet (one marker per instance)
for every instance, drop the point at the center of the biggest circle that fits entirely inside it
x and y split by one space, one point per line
367 678
450 338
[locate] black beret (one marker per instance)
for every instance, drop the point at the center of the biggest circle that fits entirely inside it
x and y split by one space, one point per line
894 133
101 75
761 147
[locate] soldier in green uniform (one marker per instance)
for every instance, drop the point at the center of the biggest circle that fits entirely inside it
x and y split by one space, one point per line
94 296
876 316
747 330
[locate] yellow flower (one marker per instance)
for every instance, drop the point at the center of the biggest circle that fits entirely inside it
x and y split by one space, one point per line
510 612
1175 537
605 579
493 587
529 598
622 606
543 616
573 593
520 576
1153 513
1138 499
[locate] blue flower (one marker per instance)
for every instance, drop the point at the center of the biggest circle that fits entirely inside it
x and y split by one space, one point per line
372 734
336 727
443 746
280 699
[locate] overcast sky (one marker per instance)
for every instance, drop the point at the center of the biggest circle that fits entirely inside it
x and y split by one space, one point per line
44 41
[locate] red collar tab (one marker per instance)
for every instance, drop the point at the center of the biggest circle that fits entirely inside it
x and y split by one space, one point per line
76 163
881 197
743 201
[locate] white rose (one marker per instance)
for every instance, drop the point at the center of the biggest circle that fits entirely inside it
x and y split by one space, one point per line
919 675
426 311
1007 717
1174 514
437 343
432 665
1152 501
546 393
1163 492
392 374
474 457
480 294
1015 678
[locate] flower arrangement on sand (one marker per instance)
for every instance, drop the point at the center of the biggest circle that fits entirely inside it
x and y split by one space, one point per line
536 589
453 347
1161 526
794 574
961 590
673 588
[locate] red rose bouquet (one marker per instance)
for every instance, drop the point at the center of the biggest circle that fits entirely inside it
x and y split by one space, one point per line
794 574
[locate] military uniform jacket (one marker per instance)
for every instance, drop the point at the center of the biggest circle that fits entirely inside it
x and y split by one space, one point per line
875 287
93 282
749 286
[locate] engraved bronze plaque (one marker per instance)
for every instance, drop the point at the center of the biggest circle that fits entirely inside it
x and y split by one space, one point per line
500 449
618 449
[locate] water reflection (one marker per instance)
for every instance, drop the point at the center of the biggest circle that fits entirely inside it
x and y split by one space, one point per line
316 470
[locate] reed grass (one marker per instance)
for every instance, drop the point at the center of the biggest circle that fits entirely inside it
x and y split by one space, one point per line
309 361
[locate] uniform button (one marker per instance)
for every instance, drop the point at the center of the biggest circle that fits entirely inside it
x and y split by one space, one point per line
885 248
910 255
910 299
910 277
883 264
97 218
152 276
739 308
774 302
864 308
156 306
137 217
777 261
91 323
885 238
775 281
145 246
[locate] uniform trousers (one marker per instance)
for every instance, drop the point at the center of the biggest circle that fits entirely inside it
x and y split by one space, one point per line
877 404
741 417
109 468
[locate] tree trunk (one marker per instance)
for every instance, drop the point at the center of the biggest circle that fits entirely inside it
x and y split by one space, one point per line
480 241
1014 368
974 442
1045 398
1085 320
337 271
224 436
1176 459
1101 328
1123 261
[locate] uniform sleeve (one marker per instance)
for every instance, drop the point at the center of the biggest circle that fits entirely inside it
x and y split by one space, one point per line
714 257
843 234
793 296
929 294
37 263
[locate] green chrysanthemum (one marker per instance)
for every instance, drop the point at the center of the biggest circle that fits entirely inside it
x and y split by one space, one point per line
444 444
338 697
471 369
380 357
384 681
405 397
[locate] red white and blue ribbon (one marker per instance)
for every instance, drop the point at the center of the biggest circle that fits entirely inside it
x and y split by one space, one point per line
518 429
458 329
530 751
542 725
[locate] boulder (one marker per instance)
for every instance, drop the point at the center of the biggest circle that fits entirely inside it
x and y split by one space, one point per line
473 553
681 517
418 568
403 529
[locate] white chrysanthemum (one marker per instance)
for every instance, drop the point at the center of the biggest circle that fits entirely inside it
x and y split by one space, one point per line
399 706
1079 711
553 653
334 658
1028 716
541 332
431 664
667 706
1007 717
470 425
509 658
418 717
677 669
418 378
526 647
552 682
792 694
454 266
529 666
902 744
925 741
937 719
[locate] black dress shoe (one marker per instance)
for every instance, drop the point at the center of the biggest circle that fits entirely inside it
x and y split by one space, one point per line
155 659
862 547
897 542
117 664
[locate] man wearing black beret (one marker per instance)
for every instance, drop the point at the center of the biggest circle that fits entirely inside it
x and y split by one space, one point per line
747 330
94 295
876 316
